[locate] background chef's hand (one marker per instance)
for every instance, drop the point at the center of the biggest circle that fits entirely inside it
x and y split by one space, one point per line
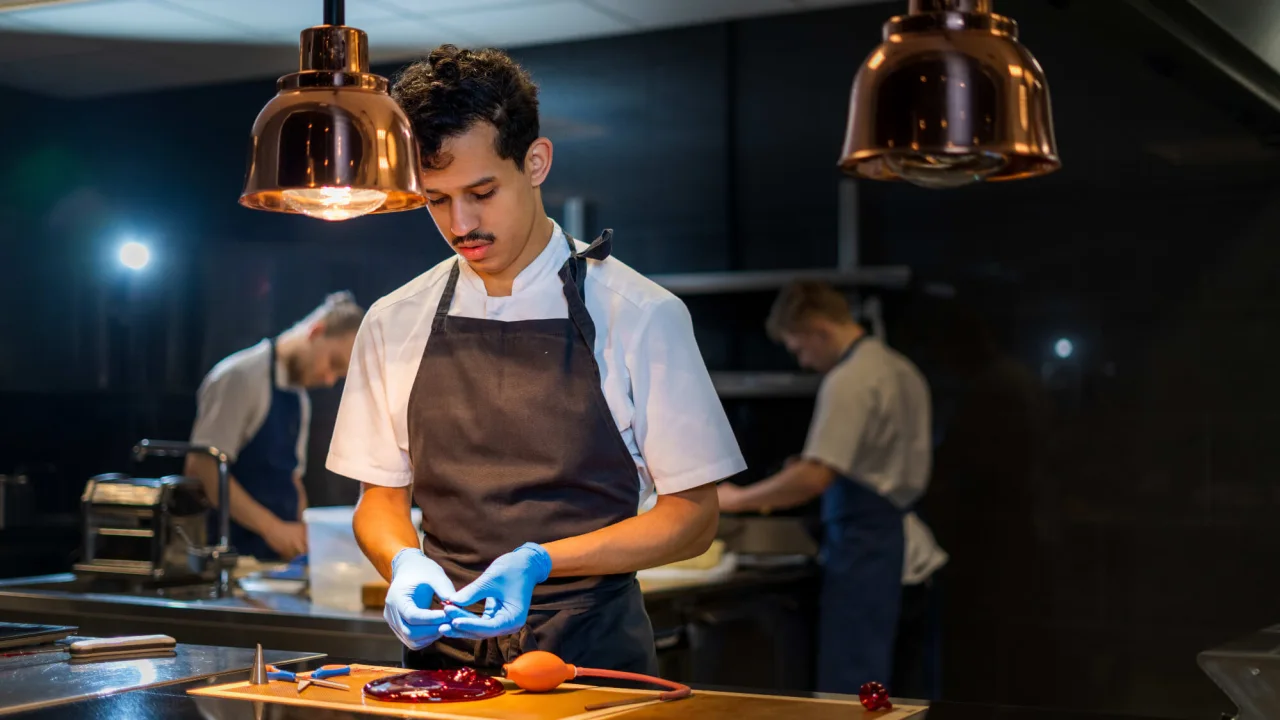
289 539
415 579
730 496
506 587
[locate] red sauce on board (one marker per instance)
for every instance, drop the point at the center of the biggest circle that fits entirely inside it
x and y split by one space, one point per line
435 686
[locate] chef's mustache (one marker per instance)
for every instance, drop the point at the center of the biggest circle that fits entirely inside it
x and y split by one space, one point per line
474 236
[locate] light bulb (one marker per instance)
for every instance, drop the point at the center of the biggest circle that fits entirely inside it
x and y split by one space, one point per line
134 255
944 171
334 203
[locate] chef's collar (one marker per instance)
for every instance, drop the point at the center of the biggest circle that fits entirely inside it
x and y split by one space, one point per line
282 374
546 264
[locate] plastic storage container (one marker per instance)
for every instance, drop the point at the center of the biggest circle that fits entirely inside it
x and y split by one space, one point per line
336 566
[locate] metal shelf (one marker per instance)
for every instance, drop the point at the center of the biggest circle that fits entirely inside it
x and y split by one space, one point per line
894 277
737 385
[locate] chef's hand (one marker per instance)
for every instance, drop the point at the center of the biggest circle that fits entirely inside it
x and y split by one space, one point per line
731 497
506 587
415 579
288 539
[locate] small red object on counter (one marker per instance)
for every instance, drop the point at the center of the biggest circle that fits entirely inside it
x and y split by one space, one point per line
874 697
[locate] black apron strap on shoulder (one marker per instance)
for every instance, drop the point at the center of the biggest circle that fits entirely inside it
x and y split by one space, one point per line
574 277
575 296
599 249
274 380
446 298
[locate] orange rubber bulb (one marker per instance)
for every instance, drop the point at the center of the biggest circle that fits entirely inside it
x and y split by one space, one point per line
539 671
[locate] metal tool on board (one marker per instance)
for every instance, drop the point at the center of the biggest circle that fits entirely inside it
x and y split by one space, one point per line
315 677
262 673
258 674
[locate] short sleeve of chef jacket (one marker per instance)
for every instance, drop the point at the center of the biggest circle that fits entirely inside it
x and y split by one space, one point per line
871 423
653 377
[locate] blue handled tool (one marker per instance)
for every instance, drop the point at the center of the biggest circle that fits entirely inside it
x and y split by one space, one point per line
315 677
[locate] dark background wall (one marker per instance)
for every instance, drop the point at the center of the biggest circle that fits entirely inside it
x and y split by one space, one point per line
1108 516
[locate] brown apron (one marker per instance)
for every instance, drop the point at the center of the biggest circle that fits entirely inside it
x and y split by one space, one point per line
511 441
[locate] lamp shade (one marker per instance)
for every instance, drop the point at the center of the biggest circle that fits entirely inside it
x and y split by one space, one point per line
332 143
948 99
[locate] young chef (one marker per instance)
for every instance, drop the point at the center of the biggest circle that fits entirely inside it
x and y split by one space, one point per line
253 406
868 456
530 394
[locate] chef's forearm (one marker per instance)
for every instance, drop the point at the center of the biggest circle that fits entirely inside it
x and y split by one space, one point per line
246 511
795 485
383 524
302 494
680 526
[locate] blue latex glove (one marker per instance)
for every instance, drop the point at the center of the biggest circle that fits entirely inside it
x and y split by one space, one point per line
506 588
415 579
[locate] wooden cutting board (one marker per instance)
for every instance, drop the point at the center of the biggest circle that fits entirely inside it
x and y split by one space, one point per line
565 703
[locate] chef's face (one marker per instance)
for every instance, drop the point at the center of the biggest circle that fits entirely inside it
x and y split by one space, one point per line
814 346
322 361
484 205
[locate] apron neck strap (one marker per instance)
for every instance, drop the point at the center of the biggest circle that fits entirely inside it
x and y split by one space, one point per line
848 353
599 249
274 381
446 299
573 275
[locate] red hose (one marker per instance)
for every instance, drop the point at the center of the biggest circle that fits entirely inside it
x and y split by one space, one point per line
676 692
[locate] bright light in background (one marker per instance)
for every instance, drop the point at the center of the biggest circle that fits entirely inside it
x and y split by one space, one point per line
1063 348
134 255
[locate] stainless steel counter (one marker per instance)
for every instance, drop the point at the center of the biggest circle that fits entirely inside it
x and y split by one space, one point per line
32 682
291 622
277 620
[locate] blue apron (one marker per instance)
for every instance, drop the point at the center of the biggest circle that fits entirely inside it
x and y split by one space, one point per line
265 468
862 554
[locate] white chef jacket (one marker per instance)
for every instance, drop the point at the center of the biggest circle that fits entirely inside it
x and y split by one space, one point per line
235 397
651 373
872 424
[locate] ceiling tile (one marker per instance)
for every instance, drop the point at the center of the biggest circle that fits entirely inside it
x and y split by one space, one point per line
16 46
416 35
145 67
672 13
533 23
280 20
121 18
431 7
892 7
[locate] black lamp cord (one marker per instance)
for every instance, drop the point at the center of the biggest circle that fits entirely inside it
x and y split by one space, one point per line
334 12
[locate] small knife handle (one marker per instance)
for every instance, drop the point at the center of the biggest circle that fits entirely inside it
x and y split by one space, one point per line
131 643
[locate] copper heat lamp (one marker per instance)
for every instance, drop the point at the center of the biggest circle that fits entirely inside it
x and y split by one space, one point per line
950 98
332 144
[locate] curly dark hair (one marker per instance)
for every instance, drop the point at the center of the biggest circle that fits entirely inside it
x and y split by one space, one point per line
446 94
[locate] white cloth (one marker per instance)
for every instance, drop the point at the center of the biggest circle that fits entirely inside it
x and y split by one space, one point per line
235 397
922 557
871 423
652 374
